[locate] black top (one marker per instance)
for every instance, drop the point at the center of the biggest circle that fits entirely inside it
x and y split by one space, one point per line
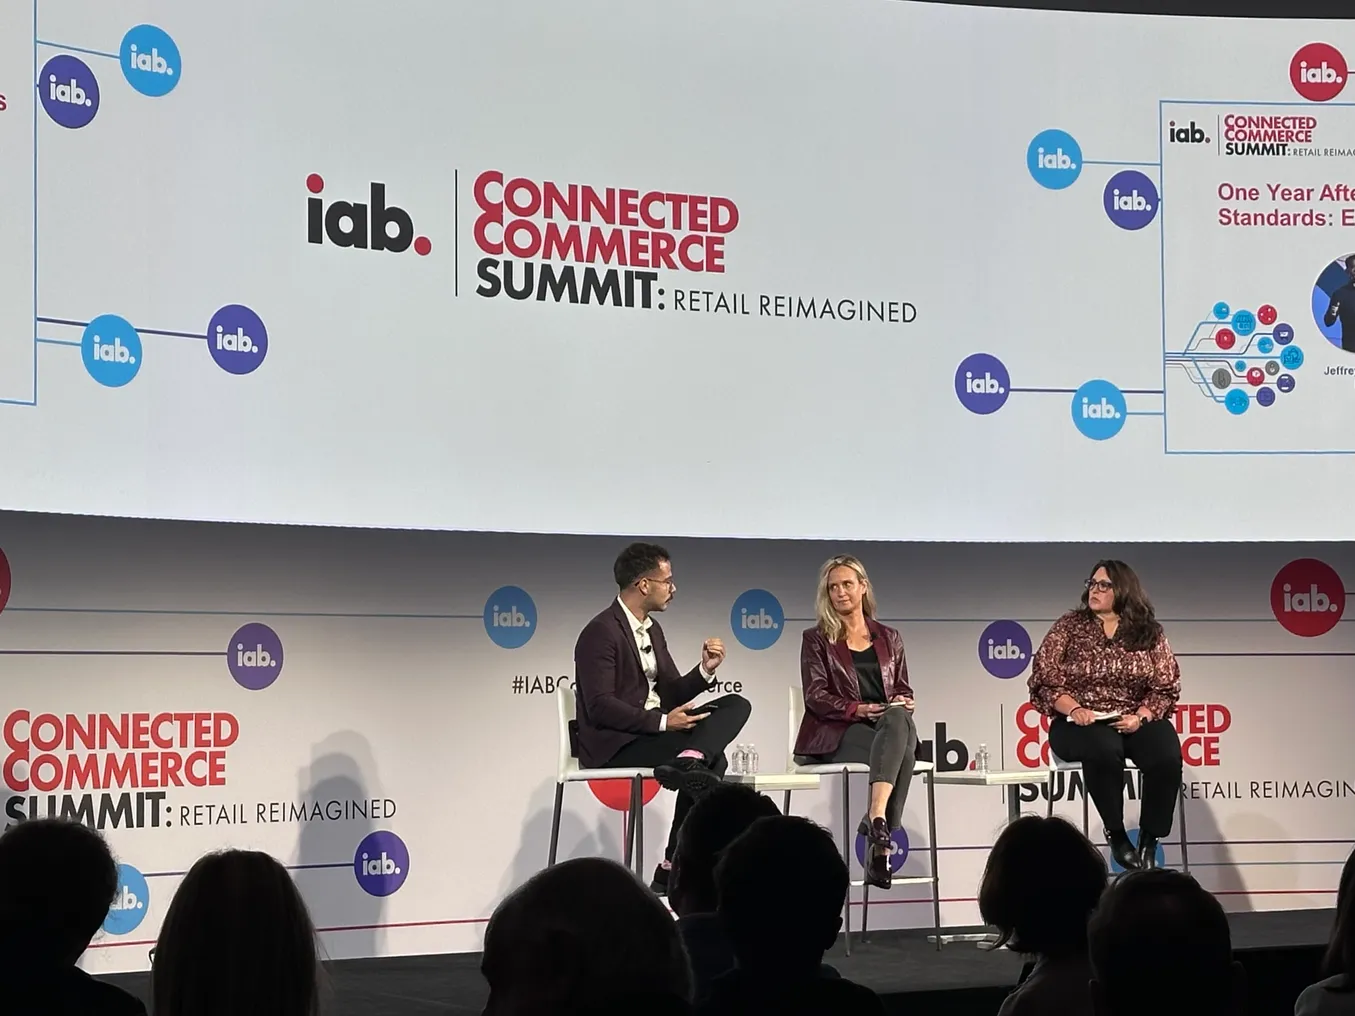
867 663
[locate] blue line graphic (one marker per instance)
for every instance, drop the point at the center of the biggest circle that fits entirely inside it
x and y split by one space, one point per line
71 49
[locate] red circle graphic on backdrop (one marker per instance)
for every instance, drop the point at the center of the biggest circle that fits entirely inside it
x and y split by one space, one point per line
1318 72
4 580
1308 597
615 794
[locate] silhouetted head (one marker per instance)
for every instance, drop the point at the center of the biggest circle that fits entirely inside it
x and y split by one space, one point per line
582 936
1340 956
59 880
781 886
714 822
1160 942
237 941
1041 884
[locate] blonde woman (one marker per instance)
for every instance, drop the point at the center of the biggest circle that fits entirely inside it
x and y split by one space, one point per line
858 703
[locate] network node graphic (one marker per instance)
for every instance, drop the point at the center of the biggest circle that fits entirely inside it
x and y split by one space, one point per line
1235 365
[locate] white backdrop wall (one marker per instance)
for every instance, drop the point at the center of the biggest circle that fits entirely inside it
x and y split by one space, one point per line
384 706
1039 251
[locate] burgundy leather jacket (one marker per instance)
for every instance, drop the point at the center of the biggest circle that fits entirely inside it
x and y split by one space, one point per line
831 691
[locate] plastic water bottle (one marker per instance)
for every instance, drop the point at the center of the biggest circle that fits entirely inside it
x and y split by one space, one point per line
734 769
751 759
981 759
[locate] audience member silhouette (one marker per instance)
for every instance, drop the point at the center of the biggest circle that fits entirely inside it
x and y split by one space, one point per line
59 880
1160 943
781 887
1041 884
1334 995
584 937
237 941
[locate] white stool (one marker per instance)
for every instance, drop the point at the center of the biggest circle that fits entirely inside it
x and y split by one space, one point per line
1058 765
847 769
568 771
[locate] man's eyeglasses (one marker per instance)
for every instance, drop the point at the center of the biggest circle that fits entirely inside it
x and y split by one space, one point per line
1099 585
659 582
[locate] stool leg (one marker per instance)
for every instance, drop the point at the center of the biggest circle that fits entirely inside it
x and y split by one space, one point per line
1053 775
639 793
785 807
934 851
865 910
1185 840
1086 810
555 822
847 857
627 835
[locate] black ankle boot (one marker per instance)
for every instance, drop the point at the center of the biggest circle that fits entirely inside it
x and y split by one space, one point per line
1147 850
1122 850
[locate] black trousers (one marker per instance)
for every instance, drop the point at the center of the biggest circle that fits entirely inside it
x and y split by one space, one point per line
889 746
710 737
1101 749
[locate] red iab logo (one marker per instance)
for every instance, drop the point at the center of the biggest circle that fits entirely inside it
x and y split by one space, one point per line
1308 597
1318 72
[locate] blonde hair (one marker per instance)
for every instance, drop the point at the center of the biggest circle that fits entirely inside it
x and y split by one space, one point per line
830 622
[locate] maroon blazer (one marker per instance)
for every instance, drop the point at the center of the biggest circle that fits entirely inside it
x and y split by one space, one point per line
831 691
610 686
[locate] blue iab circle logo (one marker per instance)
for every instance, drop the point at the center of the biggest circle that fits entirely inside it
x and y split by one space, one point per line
111 350
1054 159
129 903
510 617
150 60
1098 410
982 383
898 853
69 91
757 619
1005 649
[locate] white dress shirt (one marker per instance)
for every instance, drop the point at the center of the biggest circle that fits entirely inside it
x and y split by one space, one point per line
650 662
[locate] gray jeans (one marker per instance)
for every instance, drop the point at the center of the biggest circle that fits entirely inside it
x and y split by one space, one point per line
889 746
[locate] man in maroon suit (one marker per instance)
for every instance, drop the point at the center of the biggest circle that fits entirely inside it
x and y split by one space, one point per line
635 706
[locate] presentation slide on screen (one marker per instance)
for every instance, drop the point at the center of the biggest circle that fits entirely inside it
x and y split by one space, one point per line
596 268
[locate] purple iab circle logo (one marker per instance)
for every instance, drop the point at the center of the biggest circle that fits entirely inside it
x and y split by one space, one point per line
982 383
896 858
255 656
237 339
381 863
1131 199
69 91
1004 649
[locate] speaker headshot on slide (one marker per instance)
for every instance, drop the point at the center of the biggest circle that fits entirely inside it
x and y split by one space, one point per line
1107 678
635 708
858 702
1334 302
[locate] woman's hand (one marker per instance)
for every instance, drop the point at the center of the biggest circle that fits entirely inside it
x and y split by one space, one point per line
1082 716
1128 723
903 700
868 710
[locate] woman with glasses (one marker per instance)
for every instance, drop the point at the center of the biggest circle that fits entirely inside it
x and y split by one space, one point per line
1108 680
858 703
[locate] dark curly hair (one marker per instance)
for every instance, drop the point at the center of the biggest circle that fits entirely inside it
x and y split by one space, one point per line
1139 628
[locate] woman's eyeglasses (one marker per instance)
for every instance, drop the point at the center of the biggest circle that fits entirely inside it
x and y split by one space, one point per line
1099 585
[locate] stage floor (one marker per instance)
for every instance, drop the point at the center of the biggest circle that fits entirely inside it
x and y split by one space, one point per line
892 963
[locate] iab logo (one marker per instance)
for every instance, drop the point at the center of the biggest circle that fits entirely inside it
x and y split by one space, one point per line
757 619
1130 199
1054 159
1004 649
69 91
362 226
510 617
111 350
1308 597
982 383
254 656
1186 134
1318 72
381 863
898 853
150 60
129 902
237 339
1099 410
